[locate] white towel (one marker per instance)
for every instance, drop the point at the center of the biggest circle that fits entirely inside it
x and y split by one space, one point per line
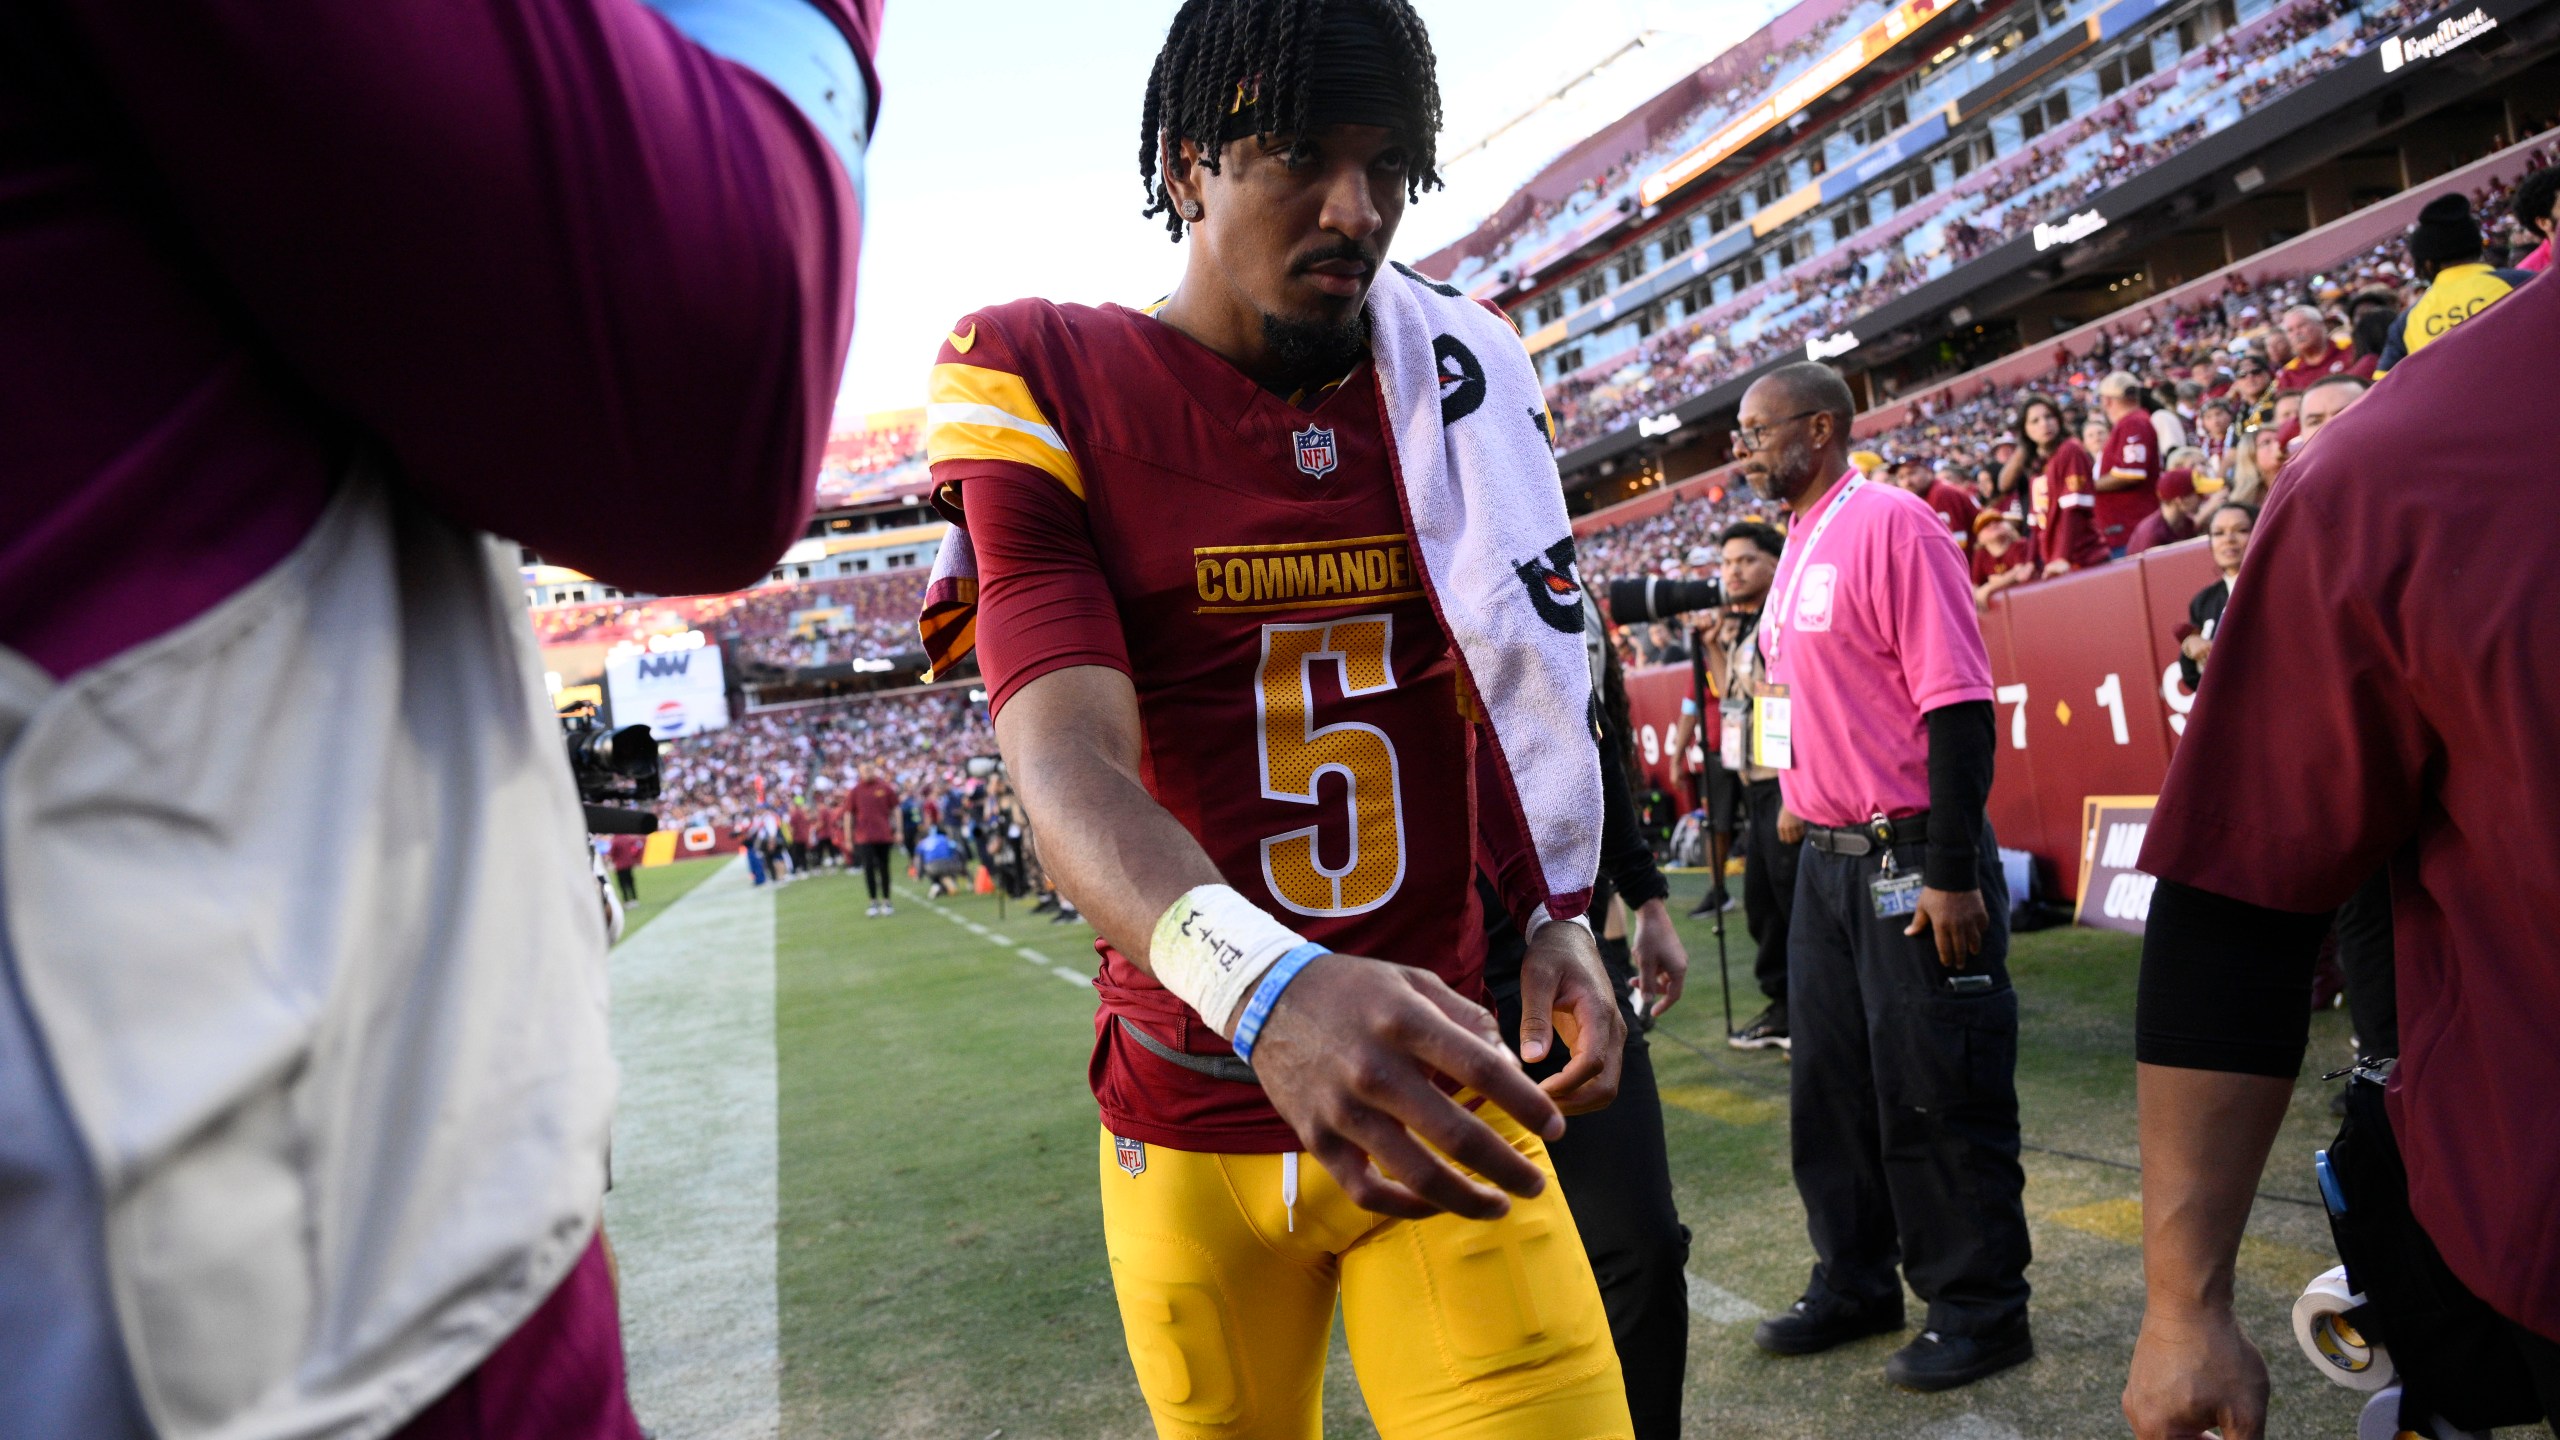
1467 427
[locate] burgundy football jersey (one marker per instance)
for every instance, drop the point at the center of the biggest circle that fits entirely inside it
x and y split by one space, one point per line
1135 501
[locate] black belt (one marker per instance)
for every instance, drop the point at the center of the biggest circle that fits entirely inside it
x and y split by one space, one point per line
1861 839
1216 1067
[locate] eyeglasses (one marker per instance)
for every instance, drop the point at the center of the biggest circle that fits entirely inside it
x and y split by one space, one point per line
1748 438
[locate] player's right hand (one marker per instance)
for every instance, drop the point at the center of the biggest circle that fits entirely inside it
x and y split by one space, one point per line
2195 1374
1347 1057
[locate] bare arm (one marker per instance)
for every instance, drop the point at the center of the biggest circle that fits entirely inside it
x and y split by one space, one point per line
1348 1053
1070 740
2205 1137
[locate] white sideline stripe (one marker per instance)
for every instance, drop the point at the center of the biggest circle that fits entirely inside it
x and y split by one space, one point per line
695 1145
1026 952
1714 1303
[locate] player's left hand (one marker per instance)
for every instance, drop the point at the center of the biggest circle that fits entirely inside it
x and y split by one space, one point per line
1662 963
1957 918
1565 992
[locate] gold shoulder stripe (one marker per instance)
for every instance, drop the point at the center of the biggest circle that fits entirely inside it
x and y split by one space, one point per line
974 413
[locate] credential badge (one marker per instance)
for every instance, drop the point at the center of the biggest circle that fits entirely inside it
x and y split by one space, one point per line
1316 454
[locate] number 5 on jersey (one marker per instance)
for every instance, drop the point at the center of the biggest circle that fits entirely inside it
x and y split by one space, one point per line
1297 752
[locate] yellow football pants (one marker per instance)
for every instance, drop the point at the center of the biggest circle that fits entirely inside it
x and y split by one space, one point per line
1460 1329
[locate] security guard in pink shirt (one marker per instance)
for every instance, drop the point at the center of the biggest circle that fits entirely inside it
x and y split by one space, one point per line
1876 712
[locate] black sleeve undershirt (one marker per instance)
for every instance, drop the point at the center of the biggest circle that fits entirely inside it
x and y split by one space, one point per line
1624 857
2226 985
1960 758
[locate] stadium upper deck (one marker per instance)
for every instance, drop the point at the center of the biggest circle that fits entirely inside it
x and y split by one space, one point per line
1975 177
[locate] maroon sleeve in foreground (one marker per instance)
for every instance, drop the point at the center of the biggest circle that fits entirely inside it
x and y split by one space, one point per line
2302 764
591 284
1043 601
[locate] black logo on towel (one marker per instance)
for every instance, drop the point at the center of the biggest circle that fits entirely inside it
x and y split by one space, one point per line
1426 282
1461 379
1552 586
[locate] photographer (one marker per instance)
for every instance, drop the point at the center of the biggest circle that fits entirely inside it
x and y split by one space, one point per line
1668 603
311 299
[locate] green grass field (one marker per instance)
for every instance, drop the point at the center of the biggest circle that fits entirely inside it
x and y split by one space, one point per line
941 1270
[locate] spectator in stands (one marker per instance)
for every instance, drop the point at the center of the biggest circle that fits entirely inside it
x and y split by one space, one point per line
2324 401
2213 436
2231 527
2174 520
2316 356
2062 499
1939 493
2444 248
2536 209
2129 467
2002 558
304 303
2253 390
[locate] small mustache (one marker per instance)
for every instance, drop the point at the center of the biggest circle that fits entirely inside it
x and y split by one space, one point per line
1347 250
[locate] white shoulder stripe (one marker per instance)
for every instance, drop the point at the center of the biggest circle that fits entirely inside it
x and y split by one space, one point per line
964 413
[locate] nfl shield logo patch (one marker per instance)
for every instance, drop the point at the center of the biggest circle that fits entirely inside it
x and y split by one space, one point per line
1133 1155
1315 450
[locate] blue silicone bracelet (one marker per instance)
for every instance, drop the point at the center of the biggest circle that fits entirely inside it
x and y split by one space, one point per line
1267 994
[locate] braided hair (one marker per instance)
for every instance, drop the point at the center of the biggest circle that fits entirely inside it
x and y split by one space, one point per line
1217 46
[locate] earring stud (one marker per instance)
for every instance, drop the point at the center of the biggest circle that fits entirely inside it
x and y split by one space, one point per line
1190 209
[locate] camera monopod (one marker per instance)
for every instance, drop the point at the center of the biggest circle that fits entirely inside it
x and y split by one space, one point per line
1724 971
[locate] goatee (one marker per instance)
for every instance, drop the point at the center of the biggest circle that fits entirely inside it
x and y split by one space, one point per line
1313 352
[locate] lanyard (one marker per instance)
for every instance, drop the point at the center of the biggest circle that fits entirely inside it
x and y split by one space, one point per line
1773 622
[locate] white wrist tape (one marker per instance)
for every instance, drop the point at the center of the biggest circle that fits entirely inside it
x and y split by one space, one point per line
1212 946
1539 920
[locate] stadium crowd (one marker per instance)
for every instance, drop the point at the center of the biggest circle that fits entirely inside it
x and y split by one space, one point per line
2213 369
921 742
787 627
2057 173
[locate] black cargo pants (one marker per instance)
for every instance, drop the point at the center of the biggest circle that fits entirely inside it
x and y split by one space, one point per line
1905 1101
1768 886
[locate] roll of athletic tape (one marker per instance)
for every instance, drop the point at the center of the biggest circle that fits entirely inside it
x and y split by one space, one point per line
2342 1352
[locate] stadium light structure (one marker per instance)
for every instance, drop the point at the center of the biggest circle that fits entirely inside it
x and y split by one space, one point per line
1788 100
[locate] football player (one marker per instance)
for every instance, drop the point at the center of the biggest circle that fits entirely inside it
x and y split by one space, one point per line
1225 694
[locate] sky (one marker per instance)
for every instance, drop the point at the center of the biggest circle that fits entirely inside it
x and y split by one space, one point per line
1005 162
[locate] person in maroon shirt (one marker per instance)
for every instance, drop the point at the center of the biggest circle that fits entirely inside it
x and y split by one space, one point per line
2002 558
874 806
561 270
2379 699
2175 520
2062 496
1937 489
2129 465
2316 356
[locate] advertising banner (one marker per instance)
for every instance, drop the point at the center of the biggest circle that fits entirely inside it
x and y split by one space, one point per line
674 692
2113 894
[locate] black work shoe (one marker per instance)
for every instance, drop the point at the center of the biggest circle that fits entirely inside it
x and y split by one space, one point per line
1810 1327
1714 900
1767 1031
1943 1362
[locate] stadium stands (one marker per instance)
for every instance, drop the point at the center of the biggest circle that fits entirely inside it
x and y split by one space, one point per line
787 627
920 740
2057 172
2185 335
